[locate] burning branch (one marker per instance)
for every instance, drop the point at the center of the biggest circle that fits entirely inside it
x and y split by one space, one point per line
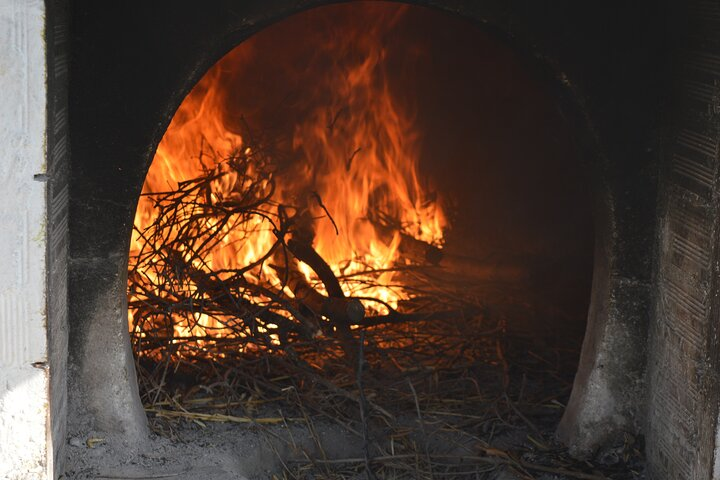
341 312
181 286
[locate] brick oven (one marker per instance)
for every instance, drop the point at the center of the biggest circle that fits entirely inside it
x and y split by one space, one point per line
602 123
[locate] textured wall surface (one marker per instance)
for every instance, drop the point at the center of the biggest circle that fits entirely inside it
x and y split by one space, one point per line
24 372
58 173
683 366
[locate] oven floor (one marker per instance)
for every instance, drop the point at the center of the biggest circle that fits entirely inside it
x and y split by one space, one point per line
489 413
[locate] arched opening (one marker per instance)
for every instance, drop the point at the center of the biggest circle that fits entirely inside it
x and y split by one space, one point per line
131 68
434 172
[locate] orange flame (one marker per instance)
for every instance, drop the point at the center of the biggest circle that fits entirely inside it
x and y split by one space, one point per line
358 152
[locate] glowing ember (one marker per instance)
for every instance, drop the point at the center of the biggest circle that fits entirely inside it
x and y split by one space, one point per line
354 176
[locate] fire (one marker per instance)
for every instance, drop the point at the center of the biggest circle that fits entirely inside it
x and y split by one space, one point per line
354 173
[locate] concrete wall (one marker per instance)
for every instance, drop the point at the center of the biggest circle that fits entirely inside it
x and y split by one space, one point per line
33 239
24 372
684 366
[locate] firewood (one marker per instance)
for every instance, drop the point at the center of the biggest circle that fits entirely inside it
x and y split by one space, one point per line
307 254
223 296
411 249
418 251
340 311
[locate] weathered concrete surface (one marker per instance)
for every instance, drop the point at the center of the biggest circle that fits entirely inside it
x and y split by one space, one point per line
609 389
58 195
108 396
606 399
24 368
684 362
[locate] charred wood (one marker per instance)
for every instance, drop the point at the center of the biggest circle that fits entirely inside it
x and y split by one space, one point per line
307 254
341 311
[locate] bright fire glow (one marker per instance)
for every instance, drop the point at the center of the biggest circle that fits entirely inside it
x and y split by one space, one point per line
358 152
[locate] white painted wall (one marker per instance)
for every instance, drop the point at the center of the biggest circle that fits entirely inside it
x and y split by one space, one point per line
24 395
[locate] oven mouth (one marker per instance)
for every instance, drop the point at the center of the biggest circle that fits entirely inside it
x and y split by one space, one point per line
485 336
321 241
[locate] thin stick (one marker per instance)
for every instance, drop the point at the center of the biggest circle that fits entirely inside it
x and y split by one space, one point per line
422 426
143 476
216 417
316 195
363 408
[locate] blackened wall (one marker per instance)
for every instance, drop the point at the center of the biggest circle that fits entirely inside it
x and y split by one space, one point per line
58 178
132 63
684 362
